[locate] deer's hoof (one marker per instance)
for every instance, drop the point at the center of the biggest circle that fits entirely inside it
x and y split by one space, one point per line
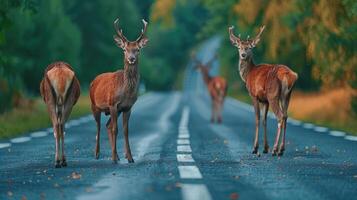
266 150
64 163
115 162
274 152
58 164
130 160
281 152
255 151
97 156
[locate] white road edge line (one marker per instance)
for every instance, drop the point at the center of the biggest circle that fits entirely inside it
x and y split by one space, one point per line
20 139
337 133
39 134
4 145
351 138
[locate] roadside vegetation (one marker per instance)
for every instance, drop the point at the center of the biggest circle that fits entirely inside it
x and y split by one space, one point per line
317 39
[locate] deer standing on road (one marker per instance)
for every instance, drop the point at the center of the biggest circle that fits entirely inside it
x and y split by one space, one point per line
60 90
217 88
267 84
116 92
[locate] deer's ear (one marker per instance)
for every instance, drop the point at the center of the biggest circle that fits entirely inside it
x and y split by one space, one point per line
234 41
120 43
142 42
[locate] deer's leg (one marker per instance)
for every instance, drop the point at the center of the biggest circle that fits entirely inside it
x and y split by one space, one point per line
96 115
114 133
126 117
212 111
63 160
285 104
219 111
266 145
279 114
257 122
57 139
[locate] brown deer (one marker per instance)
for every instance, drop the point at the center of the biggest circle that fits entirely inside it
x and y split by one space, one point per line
268 84
60 90
116 92
217 88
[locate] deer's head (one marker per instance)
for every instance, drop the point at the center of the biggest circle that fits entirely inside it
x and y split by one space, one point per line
204 68
131 48
245 47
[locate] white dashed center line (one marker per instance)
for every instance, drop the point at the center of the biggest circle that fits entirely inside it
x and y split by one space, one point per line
183 141
195 191
187 171
184 148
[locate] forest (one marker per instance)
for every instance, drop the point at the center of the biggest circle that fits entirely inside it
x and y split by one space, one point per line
316 38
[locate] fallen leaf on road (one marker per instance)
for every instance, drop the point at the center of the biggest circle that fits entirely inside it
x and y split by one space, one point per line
355 176
88 189
234 196
76 175
225 141
56 185
178 185
23 197
9 193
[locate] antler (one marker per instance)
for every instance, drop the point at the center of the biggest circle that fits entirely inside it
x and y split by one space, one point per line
119 32
143 31
257 38
231 34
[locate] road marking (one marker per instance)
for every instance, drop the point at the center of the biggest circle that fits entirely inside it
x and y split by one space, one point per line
337 133
195 191
184 148
294 122
39 134
184 158
20 139
351 138
308 125
185 136
4 145
189 172
183 141
320 129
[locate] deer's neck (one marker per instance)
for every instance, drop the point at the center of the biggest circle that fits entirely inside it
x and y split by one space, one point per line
245 66
131 78
206 77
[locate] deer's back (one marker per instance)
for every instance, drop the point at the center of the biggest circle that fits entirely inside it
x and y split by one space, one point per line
105 89
59 77
216 85
267 79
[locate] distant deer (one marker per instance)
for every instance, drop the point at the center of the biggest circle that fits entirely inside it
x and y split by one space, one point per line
267 84
60 90
217 88
116 92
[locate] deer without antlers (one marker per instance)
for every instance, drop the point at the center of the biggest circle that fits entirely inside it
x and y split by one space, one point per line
267 84
60 90
116 92
217 88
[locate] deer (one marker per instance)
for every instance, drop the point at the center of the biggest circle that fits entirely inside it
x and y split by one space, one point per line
116 92
217 88
60 90
268 85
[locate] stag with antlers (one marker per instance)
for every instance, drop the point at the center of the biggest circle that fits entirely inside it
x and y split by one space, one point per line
268 84
60 91
116 92
217 88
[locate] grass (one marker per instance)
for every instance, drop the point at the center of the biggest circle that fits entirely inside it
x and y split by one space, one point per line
330 108
33 116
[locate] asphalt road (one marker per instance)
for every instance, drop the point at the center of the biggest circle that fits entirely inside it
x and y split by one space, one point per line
180 155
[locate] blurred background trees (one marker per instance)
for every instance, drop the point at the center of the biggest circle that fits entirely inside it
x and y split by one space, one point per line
317 38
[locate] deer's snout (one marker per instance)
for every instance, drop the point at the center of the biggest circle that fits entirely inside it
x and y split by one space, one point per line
243 55
131 60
